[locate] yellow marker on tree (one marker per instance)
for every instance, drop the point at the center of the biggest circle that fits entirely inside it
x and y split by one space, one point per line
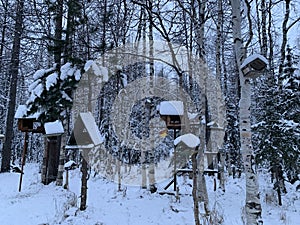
163 133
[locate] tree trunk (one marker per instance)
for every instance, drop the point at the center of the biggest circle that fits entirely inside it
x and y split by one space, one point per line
14 69
201 183
52 146
284 35
195 188
58 47
264 47
151 171
199 11
270 75
252 204
218 41
221 166
3 32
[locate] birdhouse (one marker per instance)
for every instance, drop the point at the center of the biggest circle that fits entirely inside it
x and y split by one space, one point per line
214 126
172 113
85 134
254 65
2 136
53 128
27 123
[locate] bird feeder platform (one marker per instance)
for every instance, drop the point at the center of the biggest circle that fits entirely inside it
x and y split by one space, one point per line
172 113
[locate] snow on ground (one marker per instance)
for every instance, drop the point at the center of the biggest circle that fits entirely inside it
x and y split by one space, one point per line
39 204
35 204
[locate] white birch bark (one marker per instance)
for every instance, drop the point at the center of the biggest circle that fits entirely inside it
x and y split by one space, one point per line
252 204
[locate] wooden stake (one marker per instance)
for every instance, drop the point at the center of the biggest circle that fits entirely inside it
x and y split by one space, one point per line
84 178
23 159
175 178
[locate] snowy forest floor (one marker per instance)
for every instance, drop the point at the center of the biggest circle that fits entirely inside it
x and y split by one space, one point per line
39 204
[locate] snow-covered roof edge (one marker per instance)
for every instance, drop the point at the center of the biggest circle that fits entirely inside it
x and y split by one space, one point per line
171 108
54 128
89 146
251 58
189 139
22 111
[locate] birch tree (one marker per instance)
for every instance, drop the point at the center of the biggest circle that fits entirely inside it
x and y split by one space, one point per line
252 203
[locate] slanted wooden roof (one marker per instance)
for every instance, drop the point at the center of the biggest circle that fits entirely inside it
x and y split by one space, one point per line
85 133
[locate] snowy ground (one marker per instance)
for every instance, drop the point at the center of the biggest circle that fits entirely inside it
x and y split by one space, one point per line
38 204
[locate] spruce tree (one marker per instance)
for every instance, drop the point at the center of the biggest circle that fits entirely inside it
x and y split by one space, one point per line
289 121
277 124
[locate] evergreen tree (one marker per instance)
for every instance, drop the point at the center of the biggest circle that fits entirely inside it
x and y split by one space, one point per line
289 119
51 92
277 127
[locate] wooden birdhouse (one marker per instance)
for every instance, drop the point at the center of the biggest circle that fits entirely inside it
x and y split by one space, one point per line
254 65
172 113
27 123
85 134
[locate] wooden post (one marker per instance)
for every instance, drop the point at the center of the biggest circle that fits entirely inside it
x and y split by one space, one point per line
277 185
119 175
59 178
53 158
175 165
84 178
23 159
66 186
195 187
45 163
143 159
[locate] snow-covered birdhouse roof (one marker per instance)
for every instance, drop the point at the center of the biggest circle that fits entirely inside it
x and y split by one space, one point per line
189 140
254 65
2 136
70 165
213 125
28 123
172 108
21 113
256 61
54 128
85 133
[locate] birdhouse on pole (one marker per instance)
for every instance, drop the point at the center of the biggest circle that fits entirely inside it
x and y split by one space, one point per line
172 113
28 123
85 136
254 65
